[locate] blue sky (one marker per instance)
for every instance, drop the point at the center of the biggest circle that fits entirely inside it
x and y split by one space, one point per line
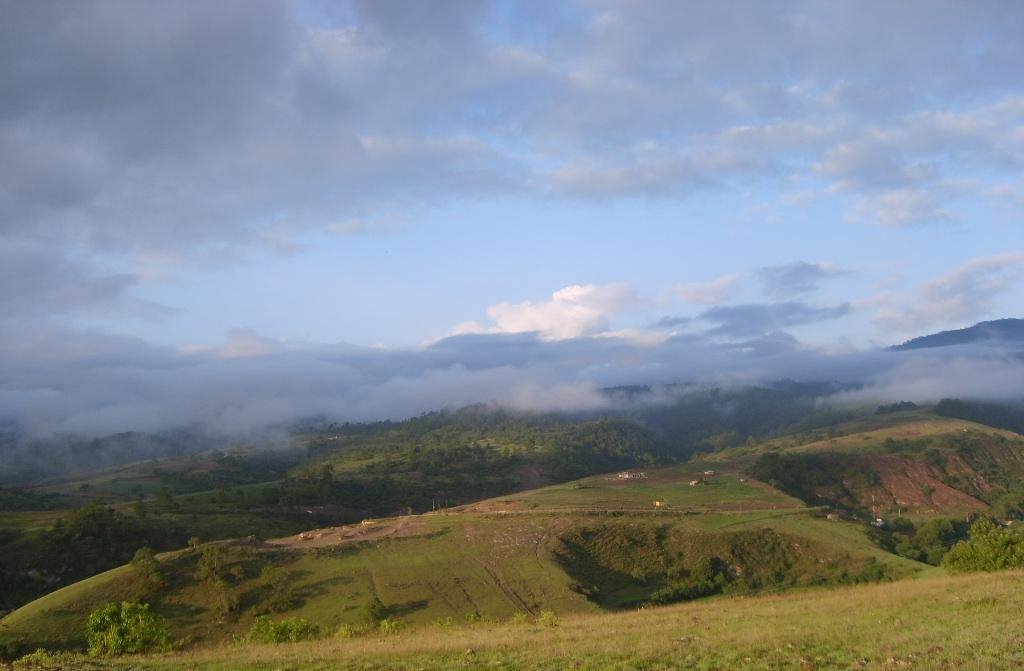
226 186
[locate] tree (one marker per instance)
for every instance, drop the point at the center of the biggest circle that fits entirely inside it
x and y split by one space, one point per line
278 590
374 610
214 569
125 628
990 548
148 569
165 500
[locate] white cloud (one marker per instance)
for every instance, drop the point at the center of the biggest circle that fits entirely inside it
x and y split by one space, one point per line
574 311
902 207
710 292
955 299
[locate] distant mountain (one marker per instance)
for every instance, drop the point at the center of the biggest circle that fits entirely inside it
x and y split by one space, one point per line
999 330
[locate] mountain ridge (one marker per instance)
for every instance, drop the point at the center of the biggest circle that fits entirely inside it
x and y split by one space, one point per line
1004 330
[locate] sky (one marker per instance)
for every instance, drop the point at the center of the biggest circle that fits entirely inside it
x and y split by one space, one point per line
248 211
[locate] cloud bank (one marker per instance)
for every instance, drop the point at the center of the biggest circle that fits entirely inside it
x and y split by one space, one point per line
96 384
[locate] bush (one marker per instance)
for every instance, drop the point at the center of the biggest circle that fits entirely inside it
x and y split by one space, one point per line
927 543
148 570
990 548
125 628
278 592
374 611
547 618
44 659
349 631
389 626
291 630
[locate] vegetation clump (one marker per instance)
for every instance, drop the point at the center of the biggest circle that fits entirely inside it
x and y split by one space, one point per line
547 618
45 660
374 611
290 630
929 542
990 548
219 568
150 577
625 565
125 628
278 592
389 626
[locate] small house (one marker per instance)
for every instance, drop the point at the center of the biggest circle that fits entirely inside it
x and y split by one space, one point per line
660 503
709 472
694 483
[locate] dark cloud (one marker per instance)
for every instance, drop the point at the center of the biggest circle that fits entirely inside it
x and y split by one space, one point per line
796 278
672 322
174 125
762 318
37 281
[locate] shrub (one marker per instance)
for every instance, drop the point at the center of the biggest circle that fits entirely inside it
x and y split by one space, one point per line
278 592
990 548
520 618
349 631
389 626
291 630
45 659
547 618
148 570
125 628
374 611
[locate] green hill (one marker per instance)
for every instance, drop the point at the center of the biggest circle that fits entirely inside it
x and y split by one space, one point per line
598 543
914 463
932 623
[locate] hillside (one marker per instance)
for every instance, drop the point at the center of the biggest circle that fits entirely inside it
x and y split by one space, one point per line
598 543
913 463
932 623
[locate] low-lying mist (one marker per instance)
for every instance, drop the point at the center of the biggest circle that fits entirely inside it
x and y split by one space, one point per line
99 385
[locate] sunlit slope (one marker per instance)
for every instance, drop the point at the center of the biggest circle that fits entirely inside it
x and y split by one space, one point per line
574 548
914 463
691 488
935 623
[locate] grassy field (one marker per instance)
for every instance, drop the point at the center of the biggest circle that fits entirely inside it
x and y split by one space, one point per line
862 434
962 623
724 490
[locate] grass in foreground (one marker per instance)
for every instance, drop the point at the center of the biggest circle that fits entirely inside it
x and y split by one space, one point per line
965 622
